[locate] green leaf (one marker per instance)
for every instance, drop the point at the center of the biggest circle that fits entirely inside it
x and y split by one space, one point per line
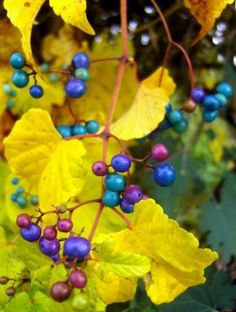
218 220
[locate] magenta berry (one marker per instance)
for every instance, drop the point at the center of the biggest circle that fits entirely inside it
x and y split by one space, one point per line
159 152
23 220
78 278
60 291
65 225
100 168
50 233
133 194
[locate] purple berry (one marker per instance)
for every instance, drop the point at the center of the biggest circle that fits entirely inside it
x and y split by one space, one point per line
23 220
55 258
100 168
198 95
78 278
121 163
65 225
77 247
60 291
159 152
126 206
133 194
31 233
75 88
50 233
49 247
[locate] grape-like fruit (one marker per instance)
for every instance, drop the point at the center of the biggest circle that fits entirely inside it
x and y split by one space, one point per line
4 280
64 130
17 60
164 174
60 291
159 152
36 91
133 193
225 88
211 103
10 291
111 199
65 225
80 302
50 233
31 233
115 182
198 94
126 206
209 116
100 168
20 78
23 220
75 88
49 247
175 116
80 60
121 163
82 74
92 126
181 126
78 278
77 247
79 130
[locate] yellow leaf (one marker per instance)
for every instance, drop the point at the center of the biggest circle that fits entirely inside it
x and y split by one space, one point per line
52 166
206 12
174 251
73 12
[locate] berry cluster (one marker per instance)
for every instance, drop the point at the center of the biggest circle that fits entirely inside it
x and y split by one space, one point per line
20 77
89 127
53 77
20 197
212 103
76 87
11 95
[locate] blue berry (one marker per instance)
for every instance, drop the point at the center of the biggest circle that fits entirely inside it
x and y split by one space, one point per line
21 201
17 60
77 247
111 199
55 258
15 181
225 88
31 233
168 108
49 247
181 126
82 74
211 103
164 125
10 104
36 91
34 200
14 197
20 190
53 77
92 126
164 174
198 95
175 116
20 78
121 163
64 130
80 60
133 194
222 99
209 116
75 88
126 206
79 130
115 182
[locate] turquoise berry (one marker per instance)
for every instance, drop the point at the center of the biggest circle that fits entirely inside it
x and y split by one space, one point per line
225 88
222 99
111 199
115 182
20 78
209 116
20 190
64 130
92 126
164 125
10 104
181 126
53 77
13 93
82 74
14 197
79 130
6 88
17 60
211 103
175 116
44 67
15 181
21 201
34 200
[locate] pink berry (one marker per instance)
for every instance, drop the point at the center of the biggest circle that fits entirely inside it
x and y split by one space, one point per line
23 220
50 233
78 278
65 225
100 168
159 152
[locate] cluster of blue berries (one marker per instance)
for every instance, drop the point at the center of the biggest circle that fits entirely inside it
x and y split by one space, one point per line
20 197
75 248
76 87
11 93
20 77
212 103
89 127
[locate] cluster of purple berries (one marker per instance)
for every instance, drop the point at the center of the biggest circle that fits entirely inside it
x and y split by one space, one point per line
76 87
82 128
75 248
20 197
11 93
212 103
20 77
